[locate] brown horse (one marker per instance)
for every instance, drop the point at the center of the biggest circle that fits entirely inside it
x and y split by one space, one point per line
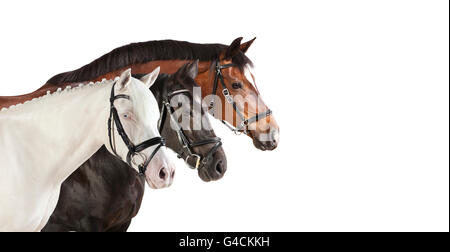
223 70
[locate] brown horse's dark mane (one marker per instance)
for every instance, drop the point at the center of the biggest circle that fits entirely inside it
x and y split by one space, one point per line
139 53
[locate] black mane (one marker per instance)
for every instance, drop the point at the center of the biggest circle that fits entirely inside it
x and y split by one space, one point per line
138 53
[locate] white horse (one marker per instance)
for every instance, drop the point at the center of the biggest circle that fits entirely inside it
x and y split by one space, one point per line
44 140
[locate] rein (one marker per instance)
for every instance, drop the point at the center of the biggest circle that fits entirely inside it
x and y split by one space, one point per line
200 161
243 126
133 150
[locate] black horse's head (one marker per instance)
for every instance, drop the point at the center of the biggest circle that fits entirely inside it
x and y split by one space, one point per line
185 124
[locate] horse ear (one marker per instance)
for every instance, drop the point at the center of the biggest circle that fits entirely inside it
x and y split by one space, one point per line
150 78
192 69
124 79
234 48
246 45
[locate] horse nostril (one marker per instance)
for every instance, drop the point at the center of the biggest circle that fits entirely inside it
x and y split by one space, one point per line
173 174
275 136
219 167
162 173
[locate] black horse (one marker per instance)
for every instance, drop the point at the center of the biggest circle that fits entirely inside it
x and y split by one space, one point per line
104 194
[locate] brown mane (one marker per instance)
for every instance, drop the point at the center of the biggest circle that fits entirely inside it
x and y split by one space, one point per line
139 53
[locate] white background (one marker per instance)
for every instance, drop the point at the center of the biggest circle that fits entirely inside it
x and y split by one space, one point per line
360 90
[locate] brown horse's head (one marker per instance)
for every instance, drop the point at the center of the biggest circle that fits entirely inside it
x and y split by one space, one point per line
243 107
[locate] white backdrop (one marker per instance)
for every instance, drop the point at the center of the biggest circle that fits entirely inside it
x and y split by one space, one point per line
360 90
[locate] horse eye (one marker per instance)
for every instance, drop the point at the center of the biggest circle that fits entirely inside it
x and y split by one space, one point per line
180 104
236 85
125 115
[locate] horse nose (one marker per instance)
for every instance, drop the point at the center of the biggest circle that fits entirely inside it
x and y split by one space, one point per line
275 137
163 173
220 170
269 141
166 175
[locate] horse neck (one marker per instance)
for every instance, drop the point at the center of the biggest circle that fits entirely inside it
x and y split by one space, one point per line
56 133
167 132
204 79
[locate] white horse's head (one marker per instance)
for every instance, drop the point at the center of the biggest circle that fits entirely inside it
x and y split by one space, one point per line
137 110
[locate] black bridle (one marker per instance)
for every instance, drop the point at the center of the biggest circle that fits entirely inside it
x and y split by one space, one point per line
243 126
133 150
184 141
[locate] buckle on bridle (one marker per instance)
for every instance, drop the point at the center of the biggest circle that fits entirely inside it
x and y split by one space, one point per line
141 155
218 69
226 94
198 161
211 105
242 129
166 104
